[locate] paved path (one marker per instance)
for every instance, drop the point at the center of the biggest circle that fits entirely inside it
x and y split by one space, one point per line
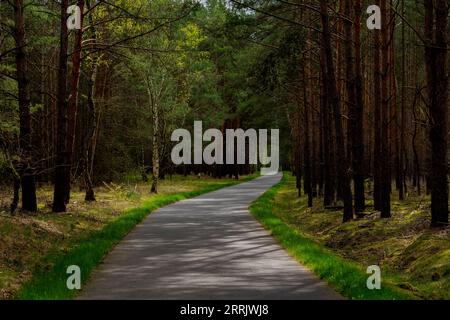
208 247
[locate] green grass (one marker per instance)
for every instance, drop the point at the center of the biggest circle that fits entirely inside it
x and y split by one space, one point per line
49 280
346 277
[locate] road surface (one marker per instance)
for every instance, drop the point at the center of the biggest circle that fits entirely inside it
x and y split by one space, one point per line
208 247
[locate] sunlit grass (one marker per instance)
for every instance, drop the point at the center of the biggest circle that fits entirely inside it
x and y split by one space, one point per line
346 277
91 230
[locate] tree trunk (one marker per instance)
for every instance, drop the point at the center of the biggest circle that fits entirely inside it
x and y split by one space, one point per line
401 160
377 101
155 141
16 190
436 34
385 177
73 99
354 99
329 189
89 145
341 159
306 142
59 195
358 139
26 170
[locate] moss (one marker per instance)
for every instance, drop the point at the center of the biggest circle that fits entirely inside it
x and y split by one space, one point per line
414 256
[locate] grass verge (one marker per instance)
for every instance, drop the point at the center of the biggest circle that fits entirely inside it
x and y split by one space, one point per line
346 277
49 280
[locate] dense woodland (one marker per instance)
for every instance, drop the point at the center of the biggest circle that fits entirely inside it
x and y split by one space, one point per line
362 112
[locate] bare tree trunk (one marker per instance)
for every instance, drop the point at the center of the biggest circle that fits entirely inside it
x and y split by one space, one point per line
89 145
26 170
377 118
436 34
341 159
329 188
358 139
298 150
385 177
401 161
306 142
59 195
16 190
73 99
416 179
155 140
355 132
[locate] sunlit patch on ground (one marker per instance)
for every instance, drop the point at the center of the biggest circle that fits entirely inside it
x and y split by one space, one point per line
27 239
417 257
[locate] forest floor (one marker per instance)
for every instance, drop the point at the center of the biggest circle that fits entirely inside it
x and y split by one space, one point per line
415 257
27 240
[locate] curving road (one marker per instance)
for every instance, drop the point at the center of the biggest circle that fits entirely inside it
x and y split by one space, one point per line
208 247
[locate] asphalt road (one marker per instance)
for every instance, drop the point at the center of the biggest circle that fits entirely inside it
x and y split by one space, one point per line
208 247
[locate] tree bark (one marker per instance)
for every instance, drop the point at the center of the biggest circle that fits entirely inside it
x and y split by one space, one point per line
328 181
306 142
89 145
155 140
354 99
401 160
377 101
436 34
26 170
341 159
358 139
385 177
73 99
59 194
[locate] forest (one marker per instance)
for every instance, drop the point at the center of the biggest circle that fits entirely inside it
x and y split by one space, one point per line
358 89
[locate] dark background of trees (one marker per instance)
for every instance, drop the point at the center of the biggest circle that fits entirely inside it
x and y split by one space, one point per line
363 114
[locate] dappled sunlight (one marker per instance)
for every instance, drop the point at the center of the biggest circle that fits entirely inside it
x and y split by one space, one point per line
208 247
28 238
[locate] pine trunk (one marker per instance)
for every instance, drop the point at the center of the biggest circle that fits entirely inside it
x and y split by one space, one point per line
59 195
26 170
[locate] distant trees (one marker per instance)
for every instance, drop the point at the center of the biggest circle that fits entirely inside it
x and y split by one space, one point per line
363 113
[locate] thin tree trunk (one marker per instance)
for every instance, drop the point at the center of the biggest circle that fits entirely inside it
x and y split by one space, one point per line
377 78
385 179
73 99
306 142
401 161
155 140
328 195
